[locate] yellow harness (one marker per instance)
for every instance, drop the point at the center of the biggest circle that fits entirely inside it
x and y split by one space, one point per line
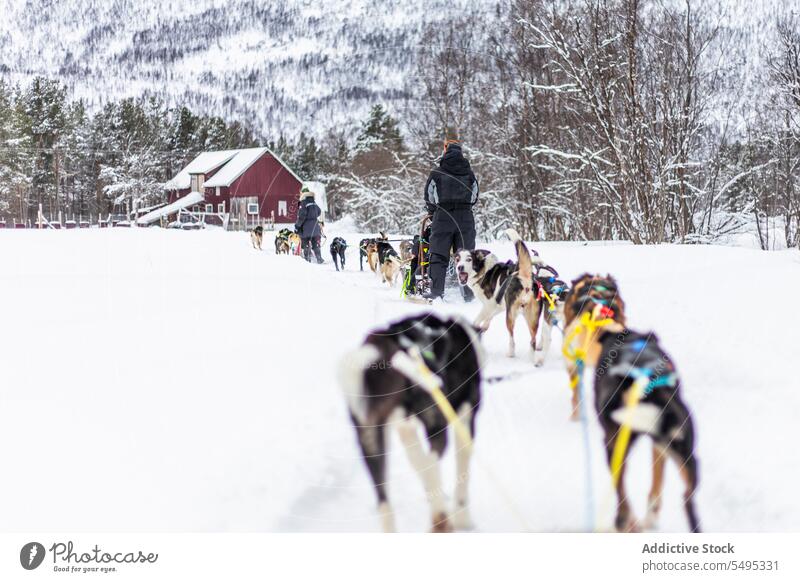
590 324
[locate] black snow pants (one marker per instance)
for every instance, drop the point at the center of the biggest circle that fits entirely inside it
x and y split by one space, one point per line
450 229
310 244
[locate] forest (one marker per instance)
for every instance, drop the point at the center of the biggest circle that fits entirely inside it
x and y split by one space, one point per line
629 120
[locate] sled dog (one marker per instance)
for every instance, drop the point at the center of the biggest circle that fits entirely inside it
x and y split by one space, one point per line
371 251
589 294
362 251
407 250
636 385
389 263
257 237
503 286
383 383
337 248
282 245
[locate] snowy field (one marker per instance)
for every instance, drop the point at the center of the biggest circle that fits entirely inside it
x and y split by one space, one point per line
182 381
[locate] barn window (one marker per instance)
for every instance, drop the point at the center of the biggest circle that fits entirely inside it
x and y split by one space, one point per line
209 208
252 208
217 190
282 209
221 207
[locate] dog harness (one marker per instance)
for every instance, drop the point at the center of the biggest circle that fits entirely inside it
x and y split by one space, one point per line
643 358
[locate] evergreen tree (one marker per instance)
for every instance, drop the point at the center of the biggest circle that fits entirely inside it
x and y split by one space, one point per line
380 130
43 111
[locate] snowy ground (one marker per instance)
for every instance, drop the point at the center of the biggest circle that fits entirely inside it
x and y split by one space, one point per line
181 381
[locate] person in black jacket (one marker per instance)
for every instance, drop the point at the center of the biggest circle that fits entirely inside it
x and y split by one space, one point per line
450 194
307 225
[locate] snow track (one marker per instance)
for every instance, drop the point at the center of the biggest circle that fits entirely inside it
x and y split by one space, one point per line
181 381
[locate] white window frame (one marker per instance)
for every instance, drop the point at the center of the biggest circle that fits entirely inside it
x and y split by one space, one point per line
283 208
218 191
252 208
209 208
197 182
221 207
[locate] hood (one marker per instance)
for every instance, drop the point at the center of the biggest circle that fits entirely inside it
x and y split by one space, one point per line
454 162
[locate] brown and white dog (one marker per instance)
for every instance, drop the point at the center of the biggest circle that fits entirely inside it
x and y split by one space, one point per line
390 263
503 287
621 359
282 245
383 385
370 247
383 259
257 237
588 293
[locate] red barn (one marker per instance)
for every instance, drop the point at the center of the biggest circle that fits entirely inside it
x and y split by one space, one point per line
250 185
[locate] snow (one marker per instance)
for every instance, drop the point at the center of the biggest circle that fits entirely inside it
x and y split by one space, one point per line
202 164
190 199
159 380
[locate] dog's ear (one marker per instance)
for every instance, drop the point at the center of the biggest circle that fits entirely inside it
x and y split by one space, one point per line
478 330
482 253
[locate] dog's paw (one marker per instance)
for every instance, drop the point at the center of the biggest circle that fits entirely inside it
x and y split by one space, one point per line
511 353
462 521
575 416
627 525
538 359
650 521
441 524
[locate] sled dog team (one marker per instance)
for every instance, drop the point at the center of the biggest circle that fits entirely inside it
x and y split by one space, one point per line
425 372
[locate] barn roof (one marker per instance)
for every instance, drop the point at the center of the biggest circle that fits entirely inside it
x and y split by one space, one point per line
189 200
235 167
234 163
202 164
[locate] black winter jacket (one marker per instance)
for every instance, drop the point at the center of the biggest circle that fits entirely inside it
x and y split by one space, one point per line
308 213
453 184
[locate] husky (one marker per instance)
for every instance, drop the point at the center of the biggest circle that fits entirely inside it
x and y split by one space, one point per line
257 237
338 248
282 244
388 262
503 287
622 358
383 382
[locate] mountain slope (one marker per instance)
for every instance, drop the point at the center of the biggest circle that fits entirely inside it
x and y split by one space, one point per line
280 66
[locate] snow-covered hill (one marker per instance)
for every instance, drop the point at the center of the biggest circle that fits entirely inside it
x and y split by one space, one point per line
181 381
283 66
280 66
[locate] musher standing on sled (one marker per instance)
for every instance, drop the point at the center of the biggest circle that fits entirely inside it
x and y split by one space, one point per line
450 194
307 225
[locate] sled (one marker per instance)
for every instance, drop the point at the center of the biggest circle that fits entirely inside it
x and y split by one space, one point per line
414 291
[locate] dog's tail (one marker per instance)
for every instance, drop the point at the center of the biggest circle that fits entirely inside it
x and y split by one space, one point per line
524 260
351 379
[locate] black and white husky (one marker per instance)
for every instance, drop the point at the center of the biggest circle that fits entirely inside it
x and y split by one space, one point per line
383 384
506 287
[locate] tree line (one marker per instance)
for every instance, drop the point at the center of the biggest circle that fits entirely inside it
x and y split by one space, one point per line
590 119
602 119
